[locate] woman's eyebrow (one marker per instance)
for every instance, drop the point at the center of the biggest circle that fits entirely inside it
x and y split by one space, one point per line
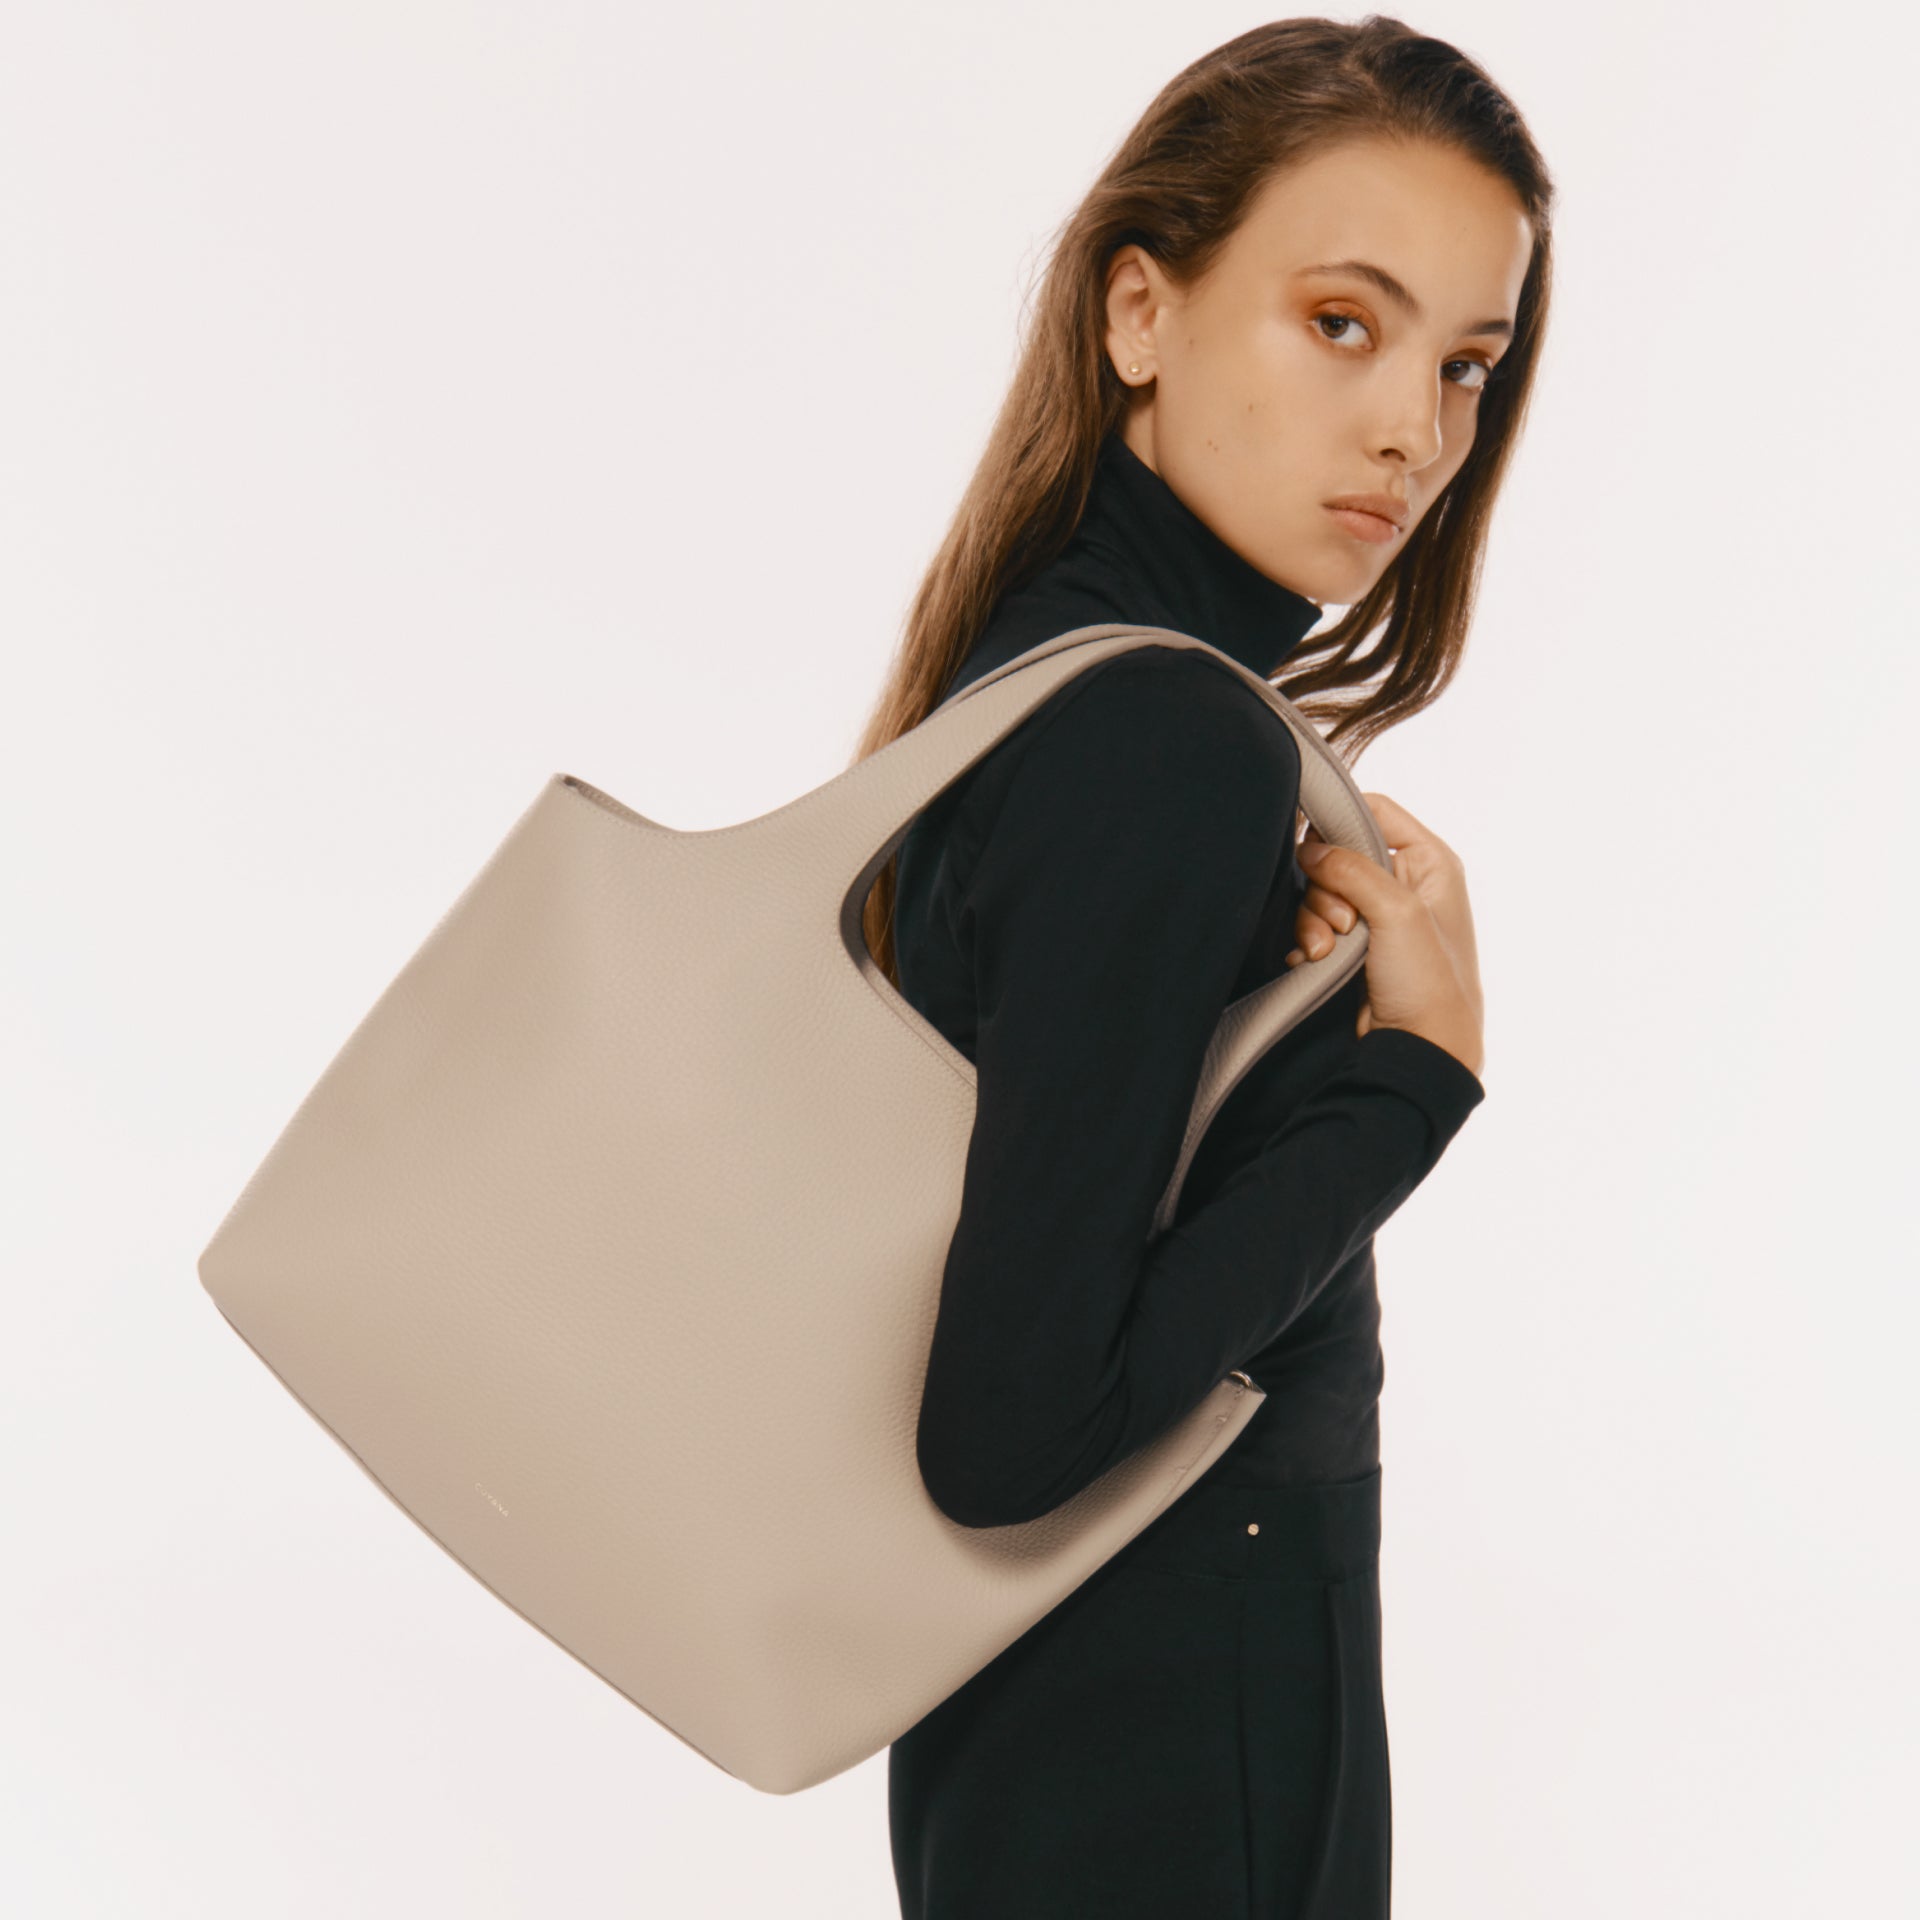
1397 289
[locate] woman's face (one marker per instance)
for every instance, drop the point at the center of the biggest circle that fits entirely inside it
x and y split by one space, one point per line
1292 374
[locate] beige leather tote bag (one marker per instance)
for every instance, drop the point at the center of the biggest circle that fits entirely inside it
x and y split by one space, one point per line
610 1245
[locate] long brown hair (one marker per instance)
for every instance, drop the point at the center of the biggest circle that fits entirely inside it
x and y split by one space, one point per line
1178 186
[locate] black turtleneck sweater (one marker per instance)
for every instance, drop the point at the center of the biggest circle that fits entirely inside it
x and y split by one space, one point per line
1074 913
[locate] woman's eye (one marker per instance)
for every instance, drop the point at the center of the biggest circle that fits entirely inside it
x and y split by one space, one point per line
1340 320
1480 367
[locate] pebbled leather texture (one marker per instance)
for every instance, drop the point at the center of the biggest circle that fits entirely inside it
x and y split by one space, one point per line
610 1246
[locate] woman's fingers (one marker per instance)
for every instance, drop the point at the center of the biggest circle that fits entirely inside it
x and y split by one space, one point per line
1320 915
1329 907
1362 882
1419 863
1314 938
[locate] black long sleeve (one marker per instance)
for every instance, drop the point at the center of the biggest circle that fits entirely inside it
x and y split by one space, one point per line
1108 912
1074 913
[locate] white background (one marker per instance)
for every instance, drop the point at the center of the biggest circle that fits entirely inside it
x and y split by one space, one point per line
404 403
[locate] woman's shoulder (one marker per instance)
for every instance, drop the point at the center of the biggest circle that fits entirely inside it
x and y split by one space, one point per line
1178 720
1159 740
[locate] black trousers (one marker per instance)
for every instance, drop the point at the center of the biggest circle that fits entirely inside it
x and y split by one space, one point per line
1197 1732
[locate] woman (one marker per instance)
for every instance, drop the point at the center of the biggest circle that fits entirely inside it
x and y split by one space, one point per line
1280 359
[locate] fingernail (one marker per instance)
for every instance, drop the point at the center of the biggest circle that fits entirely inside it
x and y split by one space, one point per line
1295 956
1313 850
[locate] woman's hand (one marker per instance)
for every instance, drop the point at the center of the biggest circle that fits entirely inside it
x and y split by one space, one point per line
1422 964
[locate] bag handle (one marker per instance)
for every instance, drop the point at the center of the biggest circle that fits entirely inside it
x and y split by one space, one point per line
868 809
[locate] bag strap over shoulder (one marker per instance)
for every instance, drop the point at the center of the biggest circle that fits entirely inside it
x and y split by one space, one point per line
880 797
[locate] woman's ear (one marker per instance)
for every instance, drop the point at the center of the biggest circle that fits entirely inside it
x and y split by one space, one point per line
1136 298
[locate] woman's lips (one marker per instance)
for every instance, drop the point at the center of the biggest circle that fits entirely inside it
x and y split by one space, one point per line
1365 526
